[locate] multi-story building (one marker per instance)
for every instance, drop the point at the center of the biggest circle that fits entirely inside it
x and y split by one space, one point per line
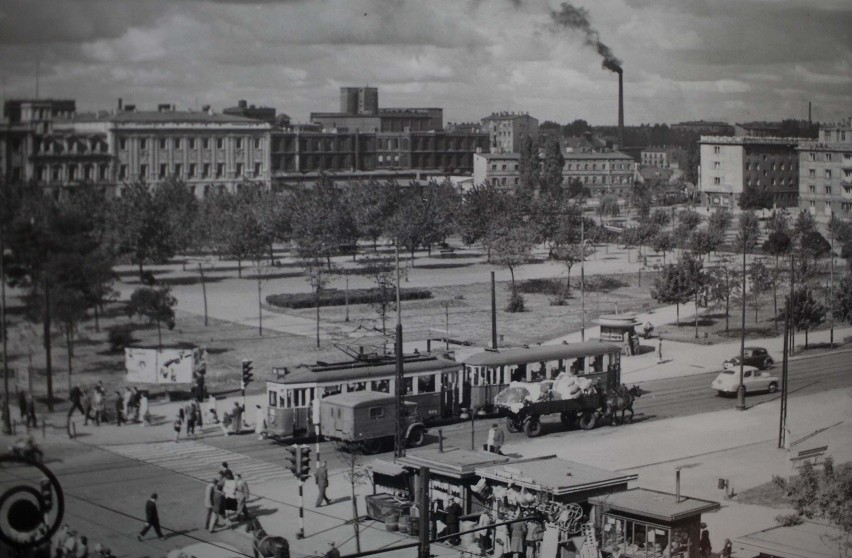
359 111
825 173
601 172
508 129
499 169
267 114
731 164
359 100
664 157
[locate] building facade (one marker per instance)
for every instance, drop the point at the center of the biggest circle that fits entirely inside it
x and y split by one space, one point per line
825 173
664 157
508 129
601 172
498 169
731 164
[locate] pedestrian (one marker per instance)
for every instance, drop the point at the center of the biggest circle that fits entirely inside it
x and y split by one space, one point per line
152 518
31 412
69 548
237 418
454 513
226 422
209 505
22 405
242 498
259 422
535 534
518 533
660 349
119 409
76 397
211 404
332 552
99 387
321 477
136 402
177 425
87 405
229 489
217 503
82 548
189 413
704 546
142 409
224 470
484 535
727 549
127 398
98 405
495 439
59 540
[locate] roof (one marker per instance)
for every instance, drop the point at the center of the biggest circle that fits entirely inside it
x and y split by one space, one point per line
507 116
168 116
360 373
557 476
355 399
811 539
452 462
652 504
498 155
540 353
597 155
744 140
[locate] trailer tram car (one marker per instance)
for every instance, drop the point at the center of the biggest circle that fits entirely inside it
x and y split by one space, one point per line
289 400
487 373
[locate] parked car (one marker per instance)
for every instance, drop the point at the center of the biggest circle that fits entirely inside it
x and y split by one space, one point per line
727 382
754 356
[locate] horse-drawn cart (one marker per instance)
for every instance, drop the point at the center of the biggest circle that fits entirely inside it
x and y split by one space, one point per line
584 411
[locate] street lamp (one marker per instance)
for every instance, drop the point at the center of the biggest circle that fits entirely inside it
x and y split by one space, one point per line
6 418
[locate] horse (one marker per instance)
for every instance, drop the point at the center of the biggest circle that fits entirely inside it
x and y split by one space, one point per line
621 399
265 545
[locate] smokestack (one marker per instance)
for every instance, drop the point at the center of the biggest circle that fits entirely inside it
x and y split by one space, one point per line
119 104
620 108
809 113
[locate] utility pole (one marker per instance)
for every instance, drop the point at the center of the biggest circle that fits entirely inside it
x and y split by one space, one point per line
48 364
7 418
782 427
423 520
203 291
582 278
831 289
399 438
741 405
493 314
792 289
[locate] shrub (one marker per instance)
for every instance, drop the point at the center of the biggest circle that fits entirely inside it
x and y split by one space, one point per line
603 283
516 302
553 286
336 297
119 339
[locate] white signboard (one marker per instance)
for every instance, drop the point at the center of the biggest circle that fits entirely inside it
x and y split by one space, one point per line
168 366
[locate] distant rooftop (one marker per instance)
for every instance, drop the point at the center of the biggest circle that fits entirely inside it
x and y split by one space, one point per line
500 155
742 140
167 116
507 115
652 504
555 475
597 155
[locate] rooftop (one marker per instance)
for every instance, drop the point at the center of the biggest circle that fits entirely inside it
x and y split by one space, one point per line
554 475
808 540
742 140
507 115
168 116
597 155
652 504
453 462
500 155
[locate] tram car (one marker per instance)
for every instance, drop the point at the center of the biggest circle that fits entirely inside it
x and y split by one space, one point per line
290 400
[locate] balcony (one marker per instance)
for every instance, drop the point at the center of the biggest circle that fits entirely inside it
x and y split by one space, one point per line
846 162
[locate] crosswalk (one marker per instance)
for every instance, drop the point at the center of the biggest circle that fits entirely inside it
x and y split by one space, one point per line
199 460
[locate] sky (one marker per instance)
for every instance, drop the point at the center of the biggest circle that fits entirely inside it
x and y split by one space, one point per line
731 60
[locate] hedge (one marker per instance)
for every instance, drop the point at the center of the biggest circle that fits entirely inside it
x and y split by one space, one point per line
336 297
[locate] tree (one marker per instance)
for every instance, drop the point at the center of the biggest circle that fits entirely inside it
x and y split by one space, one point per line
754 197
843 300
760 280
154 304
720 220
663 242
322 221
778 244
480 211
576 189
529 167
688 220
608 206
554 163
311 262
669 288
382 271
823 495
778 222
372 204
630 238
807 313
804 223
702 242
815 245
693 280
511 246
661 217
723 283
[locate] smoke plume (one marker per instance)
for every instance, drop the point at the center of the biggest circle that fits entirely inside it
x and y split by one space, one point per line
571 17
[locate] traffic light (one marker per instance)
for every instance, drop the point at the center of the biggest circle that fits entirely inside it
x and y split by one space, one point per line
46 494
291 459
304 462
247 375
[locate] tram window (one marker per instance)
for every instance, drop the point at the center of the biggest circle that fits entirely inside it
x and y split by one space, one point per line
377 412
426 384
357 386
578 366
289 397
597 364
540 374
281 401
519 374
380 385
408 385
273 399
331 390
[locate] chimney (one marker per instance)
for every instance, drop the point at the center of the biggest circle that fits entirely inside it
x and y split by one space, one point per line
242 103
620 109
809 113
119 104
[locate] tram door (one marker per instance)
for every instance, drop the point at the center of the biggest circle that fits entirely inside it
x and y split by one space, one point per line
448 395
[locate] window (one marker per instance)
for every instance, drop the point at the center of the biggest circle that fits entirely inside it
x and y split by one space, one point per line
206 143
72 173
192 170
494 166
239 169
143 171
811 173
122 172
812 203
205 170
191 142
812 189
178 169
812 156
220 170
238 143
177 143
717 164
716 149
56 174
143 143
42 174
846 206
220 143
164 143
257 143
828 173
426 384
717 180
103 172
258 168
122 144
377 412
828 190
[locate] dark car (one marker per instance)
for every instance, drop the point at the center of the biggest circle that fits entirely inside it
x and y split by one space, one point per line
754 356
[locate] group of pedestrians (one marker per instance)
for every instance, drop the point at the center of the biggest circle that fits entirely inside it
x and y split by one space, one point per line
131 405
189 417
226 499
68 544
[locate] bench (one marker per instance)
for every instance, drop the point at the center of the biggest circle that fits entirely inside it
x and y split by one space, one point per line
816 454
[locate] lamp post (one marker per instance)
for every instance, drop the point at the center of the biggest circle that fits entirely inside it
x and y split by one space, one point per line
7 419
741 388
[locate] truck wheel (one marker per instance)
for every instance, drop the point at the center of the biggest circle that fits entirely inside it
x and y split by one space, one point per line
588 420
514 424
532 427
416 438
568 418
773 387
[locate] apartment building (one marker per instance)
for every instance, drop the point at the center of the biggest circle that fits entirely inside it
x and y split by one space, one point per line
602 172
731 164
825 173
508 129
499 169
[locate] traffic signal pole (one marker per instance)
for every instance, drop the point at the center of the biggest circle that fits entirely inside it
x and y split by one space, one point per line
301 533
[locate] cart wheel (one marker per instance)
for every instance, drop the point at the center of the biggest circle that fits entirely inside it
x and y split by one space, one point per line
588 420
532 427
514 424
416 438
568 418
